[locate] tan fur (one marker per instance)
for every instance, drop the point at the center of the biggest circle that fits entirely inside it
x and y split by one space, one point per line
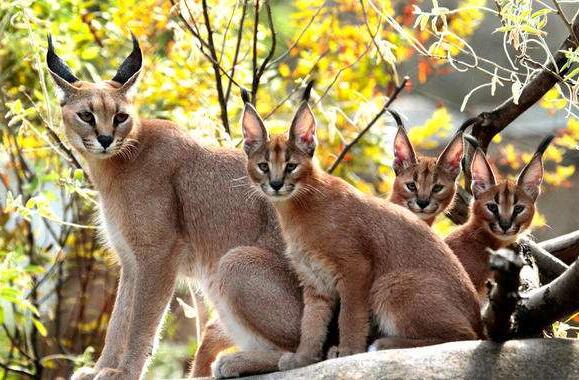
170 207
482 231
376 258
425 185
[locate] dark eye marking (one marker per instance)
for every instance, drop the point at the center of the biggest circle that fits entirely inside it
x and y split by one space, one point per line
518 209
87 117
493 208
411 186
120 118
290 167
263 166
437 188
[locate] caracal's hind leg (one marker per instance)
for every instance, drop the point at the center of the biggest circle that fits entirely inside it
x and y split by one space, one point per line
213 341
260 306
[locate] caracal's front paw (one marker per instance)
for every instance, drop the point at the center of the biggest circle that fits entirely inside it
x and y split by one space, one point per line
226 366
340 352
84 373
291 360
114 374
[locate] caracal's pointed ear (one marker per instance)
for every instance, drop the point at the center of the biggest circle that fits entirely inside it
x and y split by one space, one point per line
129 71
404 156
61 74
482 174
450 158
303 129
531 176
254 132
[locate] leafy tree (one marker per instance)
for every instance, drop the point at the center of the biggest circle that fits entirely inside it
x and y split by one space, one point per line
57 281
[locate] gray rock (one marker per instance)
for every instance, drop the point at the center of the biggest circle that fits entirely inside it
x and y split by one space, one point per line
518 359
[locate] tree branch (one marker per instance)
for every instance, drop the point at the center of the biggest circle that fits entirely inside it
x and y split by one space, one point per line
258 72
550 303
349 146
495 121
216 69
503 294
550 266
565 247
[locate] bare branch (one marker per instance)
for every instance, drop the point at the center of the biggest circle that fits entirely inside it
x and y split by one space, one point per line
258 72
216 69
565 21
550 303
237 47
296 42
349 146
495 121
565 247
551 267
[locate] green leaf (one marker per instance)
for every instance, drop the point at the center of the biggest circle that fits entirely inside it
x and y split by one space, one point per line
40 327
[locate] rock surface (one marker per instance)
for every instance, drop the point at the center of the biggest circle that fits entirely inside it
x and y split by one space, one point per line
519 359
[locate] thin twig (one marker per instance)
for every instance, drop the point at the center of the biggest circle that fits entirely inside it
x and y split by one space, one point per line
349 146
261 70
237 47
216 69
567 23
296 42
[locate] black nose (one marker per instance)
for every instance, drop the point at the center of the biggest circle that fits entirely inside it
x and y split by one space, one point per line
505 225
276 185
105 140
422 203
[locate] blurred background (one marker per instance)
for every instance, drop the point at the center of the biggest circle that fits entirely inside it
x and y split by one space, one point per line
57 281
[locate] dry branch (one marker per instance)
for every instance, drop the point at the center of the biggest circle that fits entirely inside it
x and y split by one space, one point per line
551 267
349 146
550 303
565 247
503 294
492 123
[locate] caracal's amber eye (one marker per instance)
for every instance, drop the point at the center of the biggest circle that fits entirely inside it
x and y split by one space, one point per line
87 117
290 167
518 209
120 118
493 207
437 188
411 186
263 166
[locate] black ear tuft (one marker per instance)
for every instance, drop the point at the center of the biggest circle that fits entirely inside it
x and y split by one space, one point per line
245 96
307 91
396 117
544 145
468 123
131 65
57 65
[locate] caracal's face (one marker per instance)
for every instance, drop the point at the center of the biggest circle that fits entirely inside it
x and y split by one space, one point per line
505 210
278 168
98 119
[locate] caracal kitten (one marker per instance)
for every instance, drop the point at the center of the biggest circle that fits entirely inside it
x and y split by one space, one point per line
502 209
425 185
170 207
377 259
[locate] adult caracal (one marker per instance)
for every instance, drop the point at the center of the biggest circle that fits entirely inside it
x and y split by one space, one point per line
425 185
171 207
502 209
375 257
